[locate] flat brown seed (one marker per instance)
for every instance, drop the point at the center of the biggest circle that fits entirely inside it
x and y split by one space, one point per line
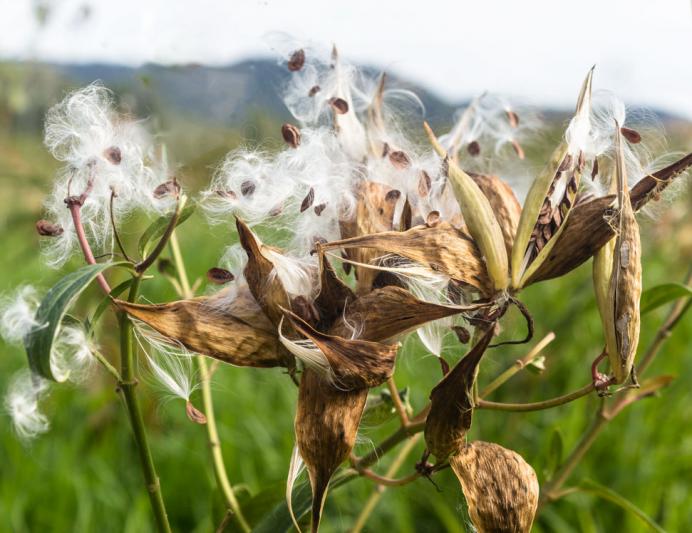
633 136
194 414
473 148
113 155
339 105
276 210
167 188
433 219
518 149
247 188
424 184
399 159
594 169
48 229
392 196
227 194
297 60
314 90
512 118
319 208
291 135
308 200
462 334
219 276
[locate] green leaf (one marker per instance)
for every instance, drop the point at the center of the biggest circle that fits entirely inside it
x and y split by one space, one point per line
659 295
601 491
39 342
158 227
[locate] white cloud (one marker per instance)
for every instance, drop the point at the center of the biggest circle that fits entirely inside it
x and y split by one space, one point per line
536 50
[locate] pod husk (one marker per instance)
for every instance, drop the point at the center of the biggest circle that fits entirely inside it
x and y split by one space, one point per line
500 487
563 165
442 248
388 312
238 333
374 213
504 203
326 426
334 294
478 217
651 186
353 364
451 409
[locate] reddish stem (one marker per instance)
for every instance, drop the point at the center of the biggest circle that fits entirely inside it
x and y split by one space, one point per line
75 207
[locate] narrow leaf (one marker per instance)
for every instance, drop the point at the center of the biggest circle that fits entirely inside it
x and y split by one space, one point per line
659 295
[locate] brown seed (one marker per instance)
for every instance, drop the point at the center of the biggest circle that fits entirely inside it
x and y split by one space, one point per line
113 155
518 149
319 208
594 169
276 210
399 159
633 136
500 487
291 135
297 60
385 149
247 188
308 200
167 188
424 184
227 194
314 90
49 229
473 148
512 118
194 414
433 219
392 196
339 105
220 276
451 408
462 334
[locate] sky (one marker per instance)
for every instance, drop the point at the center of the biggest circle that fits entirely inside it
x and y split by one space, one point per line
535 51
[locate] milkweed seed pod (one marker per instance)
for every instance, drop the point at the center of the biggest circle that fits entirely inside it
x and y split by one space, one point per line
500 487
552 195
326 426
478 216
440 248
451 409
334 294
621 315
504 203
235 332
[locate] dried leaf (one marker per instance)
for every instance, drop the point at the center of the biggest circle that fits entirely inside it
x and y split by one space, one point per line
500 487
326 426
451 409
237 332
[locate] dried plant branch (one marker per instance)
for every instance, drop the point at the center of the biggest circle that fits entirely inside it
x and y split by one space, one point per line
398 404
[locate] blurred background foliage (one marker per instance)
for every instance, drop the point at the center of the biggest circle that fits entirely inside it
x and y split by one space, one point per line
81 476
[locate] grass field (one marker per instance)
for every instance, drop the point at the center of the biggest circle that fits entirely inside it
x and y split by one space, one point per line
82 475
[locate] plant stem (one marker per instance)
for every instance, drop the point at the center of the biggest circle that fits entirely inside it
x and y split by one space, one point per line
208 401
552 488
396 400
518 365
375 497
76 212
127 387
167 234
537 406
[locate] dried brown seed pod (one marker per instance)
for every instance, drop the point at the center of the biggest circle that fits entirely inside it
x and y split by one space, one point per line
350 364
291 135
297 60
308 200
220 276
554 189
238 332
473 148
652 186
443 248
113 155
399 159
500 487
167 188
339 105
49 229
334 294
504 203
451 408
388 312
326 427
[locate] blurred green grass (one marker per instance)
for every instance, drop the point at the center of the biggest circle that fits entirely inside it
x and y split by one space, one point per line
83 476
